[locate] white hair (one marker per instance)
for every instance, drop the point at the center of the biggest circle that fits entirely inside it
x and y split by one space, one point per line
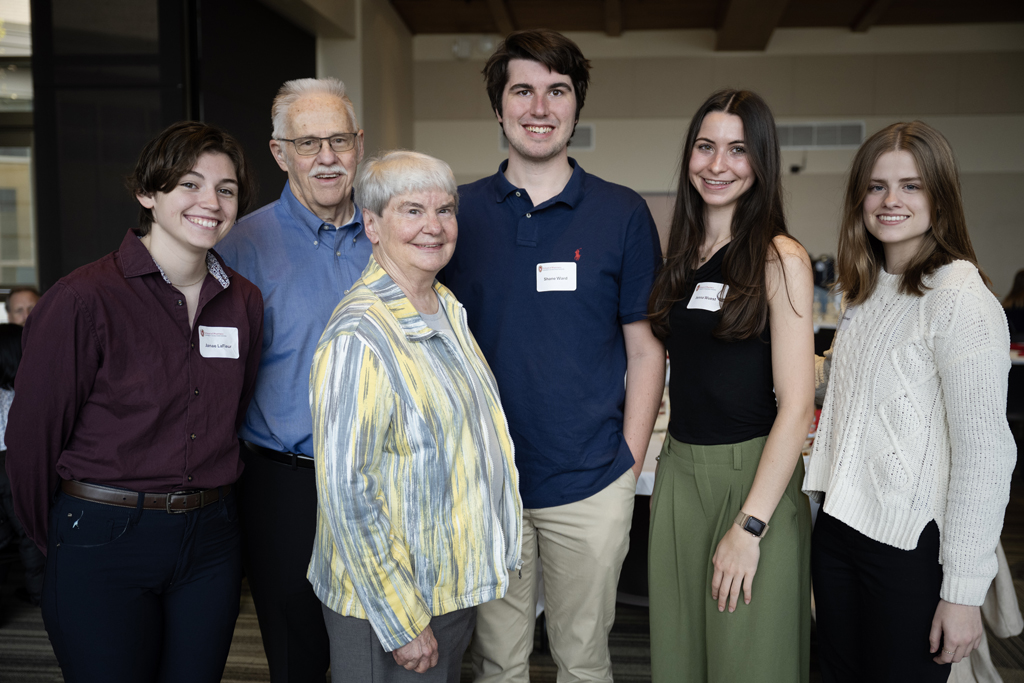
387 175
292 91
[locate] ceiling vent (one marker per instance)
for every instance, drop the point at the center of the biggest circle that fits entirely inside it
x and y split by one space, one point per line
832 135
583 139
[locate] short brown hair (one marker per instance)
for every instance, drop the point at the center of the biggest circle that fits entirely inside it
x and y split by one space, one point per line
861 255
550 48
170 155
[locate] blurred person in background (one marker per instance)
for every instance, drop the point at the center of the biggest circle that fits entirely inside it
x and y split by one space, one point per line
20 302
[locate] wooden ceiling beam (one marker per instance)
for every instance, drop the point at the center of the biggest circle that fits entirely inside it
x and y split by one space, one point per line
873 11
502 17
613 17
749 24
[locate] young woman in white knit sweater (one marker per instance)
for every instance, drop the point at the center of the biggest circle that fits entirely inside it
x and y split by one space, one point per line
913 455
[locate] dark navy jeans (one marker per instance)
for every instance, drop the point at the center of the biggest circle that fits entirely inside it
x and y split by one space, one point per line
139 595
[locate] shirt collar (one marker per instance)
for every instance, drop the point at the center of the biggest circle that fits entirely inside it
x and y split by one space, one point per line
304 217
381 284
136 261
571 194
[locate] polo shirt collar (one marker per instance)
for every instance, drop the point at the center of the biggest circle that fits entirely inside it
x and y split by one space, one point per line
381 284
137 261
309 220
571 194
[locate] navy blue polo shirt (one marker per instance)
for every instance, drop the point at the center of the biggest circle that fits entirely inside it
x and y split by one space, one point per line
559 356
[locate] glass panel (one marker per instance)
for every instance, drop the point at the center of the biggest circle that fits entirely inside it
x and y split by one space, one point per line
17 227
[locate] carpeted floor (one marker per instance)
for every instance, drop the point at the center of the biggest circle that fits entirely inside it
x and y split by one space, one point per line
26 656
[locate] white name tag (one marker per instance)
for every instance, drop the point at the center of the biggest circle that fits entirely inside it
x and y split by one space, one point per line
708 296
218 342
847 317
556 277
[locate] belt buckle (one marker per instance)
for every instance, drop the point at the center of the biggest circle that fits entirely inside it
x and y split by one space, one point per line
167 503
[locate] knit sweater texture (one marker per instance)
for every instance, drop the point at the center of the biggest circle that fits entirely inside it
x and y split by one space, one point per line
913 426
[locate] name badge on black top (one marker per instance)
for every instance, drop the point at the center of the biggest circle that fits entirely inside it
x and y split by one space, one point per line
708 296
218 342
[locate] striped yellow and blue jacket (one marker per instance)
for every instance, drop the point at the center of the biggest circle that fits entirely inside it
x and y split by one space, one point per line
406 528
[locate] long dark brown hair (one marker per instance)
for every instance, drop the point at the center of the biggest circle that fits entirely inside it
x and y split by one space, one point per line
758 219
861 255
1015 299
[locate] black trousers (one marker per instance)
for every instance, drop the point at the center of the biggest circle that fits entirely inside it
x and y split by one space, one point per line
135 596
874 605
277 510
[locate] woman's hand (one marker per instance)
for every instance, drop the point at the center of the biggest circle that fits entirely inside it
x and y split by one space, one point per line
735 563
958 629
419 654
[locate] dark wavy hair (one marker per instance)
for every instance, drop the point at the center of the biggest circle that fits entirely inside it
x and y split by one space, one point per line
10 353
550 48
170 155
861 255
758 219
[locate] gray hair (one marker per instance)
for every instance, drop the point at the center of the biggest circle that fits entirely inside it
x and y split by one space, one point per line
292 91
387 175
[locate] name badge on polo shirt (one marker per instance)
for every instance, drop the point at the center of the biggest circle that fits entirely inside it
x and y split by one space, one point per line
708 296
218 342
556 277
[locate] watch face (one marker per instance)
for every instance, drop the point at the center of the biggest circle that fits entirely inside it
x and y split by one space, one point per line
754 526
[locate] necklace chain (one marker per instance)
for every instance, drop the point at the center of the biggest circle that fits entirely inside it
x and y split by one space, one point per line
712 248
192 284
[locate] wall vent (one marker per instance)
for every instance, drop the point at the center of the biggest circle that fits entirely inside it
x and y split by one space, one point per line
831 135
582 140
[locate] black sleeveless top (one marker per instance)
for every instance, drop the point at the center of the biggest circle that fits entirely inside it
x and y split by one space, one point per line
720 391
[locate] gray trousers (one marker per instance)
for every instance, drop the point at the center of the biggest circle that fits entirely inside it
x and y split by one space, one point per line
358 657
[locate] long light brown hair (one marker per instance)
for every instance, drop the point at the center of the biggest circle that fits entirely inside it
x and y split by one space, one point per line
861 255
758 219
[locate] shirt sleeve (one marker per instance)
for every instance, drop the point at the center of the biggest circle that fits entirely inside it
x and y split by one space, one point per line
353 405
59 364
641 259
972 358
254 310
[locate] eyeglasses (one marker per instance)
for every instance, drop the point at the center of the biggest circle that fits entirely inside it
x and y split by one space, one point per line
307 147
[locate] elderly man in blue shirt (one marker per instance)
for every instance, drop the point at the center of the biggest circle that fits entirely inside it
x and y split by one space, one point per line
303 252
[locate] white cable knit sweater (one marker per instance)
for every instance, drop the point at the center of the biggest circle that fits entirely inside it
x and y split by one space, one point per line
914 427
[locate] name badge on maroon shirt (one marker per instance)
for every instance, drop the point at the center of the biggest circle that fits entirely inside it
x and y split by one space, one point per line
218 342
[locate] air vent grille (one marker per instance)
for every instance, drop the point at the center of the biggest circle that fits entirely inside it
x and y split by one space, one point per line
832 135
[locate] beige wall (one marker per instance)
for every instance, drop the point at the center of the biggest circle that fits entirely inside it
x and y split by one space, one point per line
965 80
377 68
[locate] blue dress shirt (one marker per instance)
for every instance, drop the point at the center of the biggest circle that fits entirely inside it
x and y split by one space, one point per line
303 267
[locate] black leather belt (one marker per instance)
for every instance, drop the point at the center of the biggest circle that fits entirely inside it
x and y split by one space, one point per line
293 460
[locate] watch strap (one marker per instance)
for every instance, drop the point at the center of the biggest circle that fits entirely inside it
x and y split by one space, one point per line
742 520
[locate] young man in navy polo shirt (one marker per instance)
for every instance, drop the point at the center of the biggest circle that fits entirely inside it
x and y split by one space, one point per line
554 267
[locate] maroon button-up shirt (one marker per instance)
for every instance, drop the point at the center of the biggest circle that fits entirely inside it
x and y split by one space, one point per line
115 388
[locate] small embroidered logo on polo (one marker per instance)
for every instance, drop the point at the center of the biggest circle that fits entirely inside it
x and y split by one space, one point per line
577 255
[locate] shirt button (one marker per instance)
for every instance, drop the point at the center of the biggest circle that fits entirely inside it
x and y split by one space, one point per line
353 240
529 216
337 253
316 242
517 193
197 392
193 437
190 477
179 302
192 345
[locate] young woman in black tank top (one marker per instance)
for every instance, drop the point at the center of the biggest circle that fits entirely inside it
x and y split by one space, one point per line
733 306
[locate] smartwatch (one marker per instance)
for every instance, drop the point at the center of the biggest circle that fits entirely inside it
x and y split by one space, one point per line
752 525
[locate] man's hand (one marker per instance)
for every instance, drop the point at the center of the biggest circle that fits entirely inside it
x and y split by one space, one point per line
419 654
958 629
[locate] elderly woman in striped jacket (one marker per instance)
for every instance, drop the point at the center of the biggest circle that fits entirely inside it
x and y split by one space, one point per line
419 510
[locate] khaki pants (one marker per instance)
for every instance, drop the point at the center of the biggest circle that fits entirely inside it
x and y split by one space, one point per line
581 547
